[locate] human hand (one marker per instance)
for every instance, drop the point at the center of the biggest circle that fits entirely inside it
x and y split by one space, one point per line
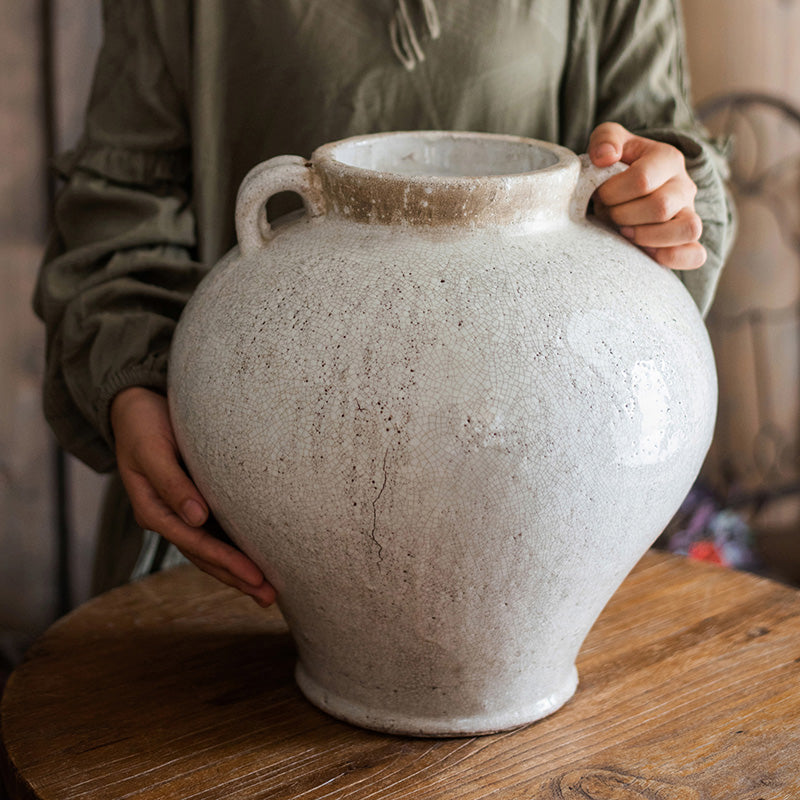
652 202
163 497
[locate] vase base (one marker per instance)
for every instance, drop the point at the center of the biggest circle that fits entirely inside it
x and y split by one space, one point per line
396 722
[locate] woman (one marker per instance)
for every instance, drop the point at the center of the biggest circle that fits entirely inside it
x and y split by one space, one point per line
188 96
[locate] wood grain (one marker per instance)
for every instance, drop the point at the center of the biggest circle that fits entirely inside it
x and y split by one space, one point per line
177 688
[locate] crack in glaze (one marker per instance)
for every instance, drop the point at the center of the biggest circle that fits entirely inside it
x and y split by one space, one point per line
375 509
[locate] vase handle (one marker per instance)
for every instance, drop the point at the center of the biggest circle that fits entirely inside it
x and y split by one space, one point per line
279 174
590 178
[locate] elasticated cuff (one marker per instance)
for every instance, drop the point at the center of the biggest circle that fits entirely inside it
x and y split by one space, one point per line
125 166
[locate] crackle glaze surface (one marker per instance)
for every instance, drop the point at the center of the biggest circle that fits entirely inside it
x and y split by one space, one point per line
445 436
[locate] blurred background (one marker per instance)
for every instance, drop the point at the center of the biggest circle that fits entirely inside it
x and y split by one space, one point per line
745 65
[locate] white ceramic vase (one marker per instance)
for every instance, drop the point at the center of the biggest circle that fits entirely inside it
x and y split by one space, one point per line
446 414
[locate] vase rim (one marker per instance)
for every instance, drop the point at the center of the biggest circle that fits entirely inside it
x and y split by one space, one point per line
339 155
446 177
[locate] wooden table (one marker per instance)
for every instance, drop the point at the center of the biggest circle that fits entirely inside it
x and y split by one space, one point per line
176 687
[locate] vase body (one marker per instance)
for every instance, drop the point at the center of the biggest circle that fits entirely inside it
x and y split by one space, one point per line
445 413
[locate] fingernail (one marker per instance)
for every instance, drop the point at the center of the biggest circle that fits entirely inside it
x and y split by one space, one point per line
193 513
627 231
254 579
605 149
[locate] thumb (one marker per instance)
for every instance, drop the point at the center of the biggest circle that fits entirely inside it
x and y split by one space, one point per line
173 485
607 143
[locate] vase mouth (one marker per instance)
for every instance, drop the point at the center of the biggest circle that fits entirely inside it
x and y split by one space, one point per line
427 155
446 177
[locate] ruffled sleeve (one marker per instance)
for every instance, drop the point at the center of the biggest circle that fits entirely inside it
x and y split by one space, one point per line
120 264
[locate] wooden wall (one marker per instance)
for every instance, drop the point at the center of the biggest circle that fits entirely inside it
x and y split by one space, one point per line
743 44
26 560
28 598
735 46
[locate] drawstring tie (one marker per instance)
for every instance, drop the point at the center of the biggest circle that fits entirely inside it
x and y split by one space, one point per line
405 43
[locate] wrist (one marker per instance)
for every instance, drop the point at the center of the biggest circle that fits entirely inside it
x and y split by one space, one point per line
127 400
150 375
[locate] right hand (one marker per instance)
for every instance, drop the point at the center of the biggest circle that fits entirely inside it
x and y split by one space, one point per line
652 202
163 497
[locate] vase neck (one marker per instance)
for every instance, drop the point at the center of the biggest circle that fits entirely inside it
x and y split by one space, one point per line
434 178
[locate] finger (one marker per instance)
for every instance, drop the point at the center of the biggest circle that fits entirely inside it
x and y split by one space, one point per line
660 206
658 166
153 513
684 228
201 545
157 460
264 594
606 143
683 257
601 210
149 508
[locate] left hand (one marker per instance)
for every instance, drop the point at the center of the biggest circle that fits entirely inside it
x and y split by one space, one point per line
652 202
163 496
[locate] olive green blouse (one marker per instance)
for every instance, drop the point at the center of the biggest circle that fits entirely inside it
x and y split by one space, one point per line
189 95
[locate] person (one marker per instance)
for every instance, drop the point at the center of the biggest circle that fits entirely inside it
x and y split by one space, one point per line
188 96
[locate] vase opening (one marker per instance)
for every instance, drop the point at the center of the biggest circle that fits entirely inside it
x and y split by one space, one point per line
433 153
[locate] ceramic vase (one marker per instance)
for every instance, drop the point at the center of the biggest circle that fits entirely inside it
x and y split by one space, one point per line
446 413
